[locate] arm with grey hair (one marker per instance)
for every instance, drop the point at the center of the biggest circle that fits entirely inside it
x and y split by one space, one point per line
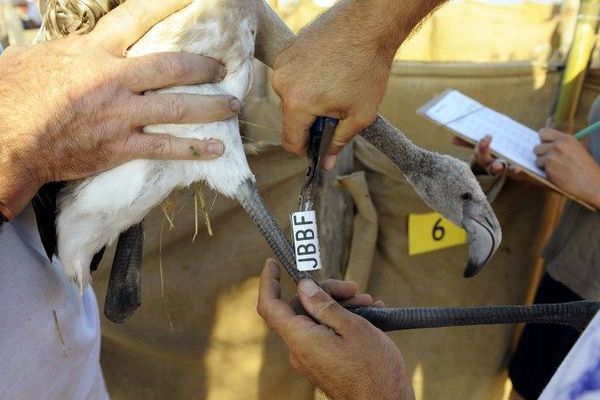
390 23
338 66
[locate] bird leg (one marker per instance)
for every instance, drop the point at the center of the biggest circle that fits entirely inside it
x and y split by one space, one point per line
123 294
258 211
576 314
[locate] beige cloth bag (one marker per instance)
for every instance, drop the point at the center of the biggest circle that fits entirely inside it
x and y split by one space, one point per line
218 348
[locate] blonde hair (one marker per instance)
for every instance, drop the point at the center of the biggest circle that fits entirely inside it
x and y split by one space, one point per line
64 17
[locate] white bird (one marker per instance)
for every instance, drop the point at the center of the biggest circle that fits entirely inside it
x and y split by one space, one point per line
94 211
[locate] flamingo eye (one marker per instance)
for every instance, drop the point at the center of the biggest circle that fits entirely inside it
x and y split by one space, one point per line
466 196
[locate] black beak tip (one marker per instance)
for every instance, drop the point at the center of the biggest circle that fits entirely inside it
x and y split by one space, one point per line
472 269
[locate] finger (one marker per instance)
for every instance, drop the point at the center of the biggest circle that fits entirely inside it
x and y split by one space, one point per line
484 144
365 300
542 149
270 306
461 142
515 172
497 167
329 162
340 290
128 22
345 132
163 70
379 304
549 135
169 108
324 309
542 161
296 126
168 147
482 151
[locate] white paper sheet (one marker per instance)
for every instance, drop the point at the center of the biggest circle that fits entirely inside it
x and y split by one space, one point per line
472 121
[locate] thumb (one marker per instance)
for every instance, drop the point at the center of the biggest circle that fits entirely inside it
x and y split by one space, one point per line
344 132
324 309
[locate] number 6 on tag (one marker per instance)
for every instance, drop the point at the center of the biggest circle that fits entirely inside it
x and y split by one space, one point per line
430 232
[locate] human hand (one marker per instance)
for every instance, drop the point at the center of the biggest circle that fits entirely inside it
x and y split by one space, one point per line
486 161
73 107
315 77
339 67
337 351
569 165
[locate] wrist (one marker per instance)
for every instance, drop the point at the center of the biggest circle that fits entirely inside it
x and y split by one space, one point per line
595 195
590 189
17 188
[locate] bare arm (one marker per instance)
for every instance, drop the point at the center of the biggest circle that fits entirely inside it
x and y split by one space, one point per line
339 66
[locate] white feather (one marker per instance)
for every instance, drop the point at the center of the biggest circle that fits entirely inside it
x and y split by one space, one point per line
94 211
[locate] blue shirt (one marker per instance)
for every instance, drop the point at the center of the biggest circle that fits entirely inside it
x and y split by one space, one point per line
49 332
578 377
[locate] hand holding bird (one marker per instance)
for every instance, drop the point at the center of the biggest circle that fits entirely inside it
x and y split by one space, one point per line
94 121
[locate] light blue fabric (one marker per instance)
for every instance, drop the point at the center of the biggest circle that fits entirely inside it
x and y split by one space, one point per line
578 377
49 332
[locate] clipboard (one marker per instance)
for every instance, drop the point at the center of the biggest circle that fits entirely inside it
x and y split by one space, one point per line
471 121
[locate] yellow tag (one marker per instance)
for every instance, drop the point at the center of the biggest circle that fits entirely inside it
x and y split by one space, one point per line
430 232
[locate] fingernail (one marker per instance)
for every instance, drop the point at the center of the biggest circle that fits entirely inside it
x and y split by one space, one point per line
309 287
235 105
330 162
215 148
222 72
272 263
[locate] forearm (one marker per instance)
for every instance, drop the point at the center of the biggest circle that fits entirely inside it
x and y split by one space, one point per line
381 25
384 24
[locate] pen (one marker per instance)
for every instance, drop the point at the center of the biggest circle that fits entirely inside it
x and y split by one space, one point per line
587 131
